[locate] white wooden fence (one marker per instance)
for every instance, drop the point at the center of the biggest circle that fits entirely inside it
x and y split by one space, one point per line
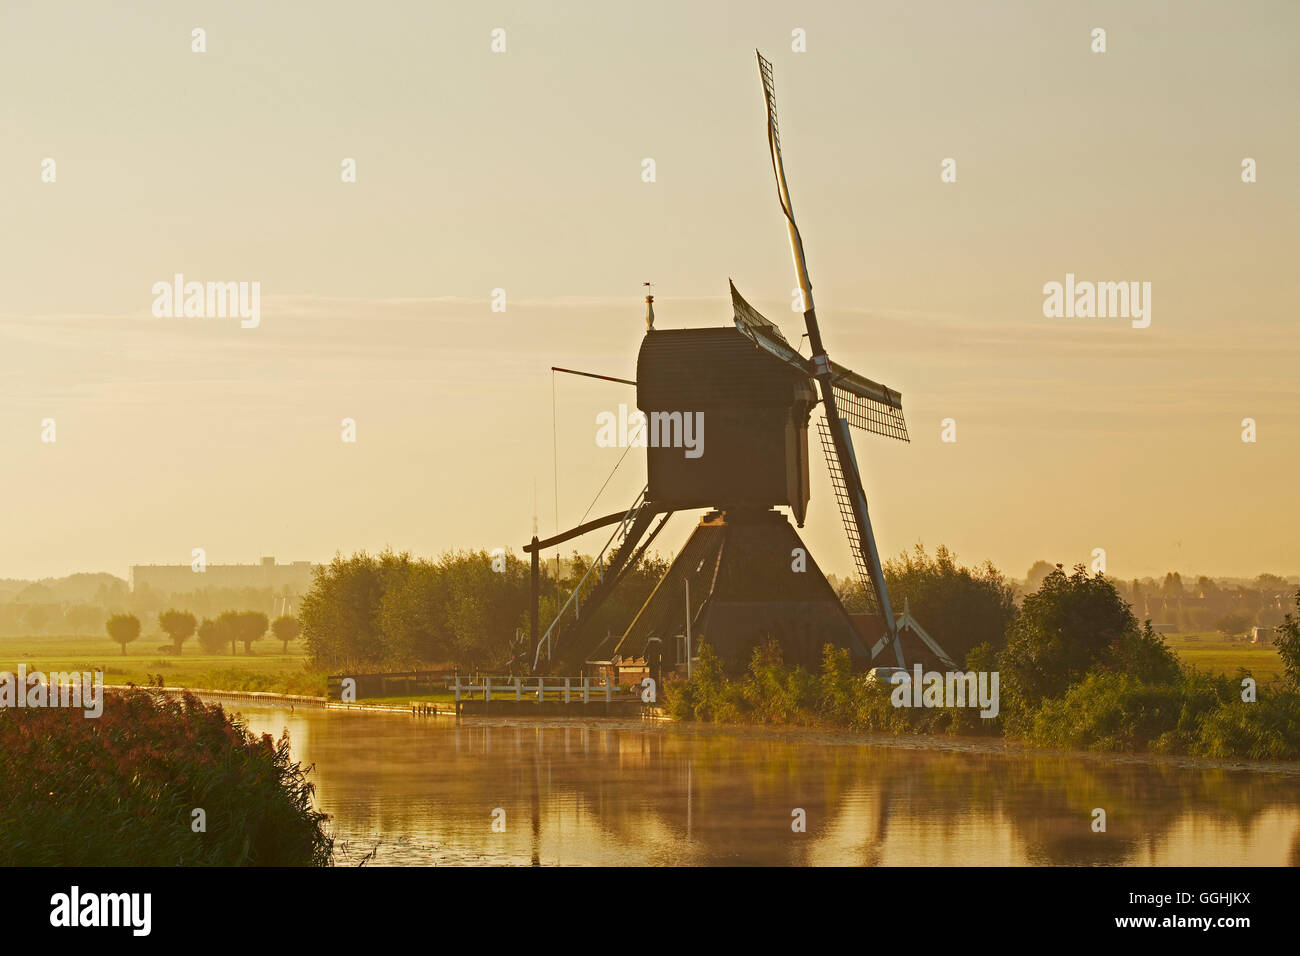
567 689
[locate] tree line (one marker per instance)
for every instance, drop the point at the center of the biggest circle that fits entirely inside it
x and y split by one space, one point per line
215 634
83 603
469 609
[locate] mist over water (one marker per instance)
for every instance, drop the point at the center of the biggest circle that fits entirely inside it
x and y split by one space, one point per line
422 792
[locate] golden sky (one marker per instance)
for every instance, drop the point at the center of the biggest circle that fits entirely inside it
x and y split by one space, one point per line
522 170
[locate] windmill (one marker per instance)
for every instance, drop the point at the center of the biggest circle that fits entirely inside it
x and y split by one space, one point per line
743 576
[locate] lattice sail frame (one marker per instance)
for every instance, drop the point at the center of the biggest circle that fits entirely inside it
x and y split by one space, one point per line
774 131
871 415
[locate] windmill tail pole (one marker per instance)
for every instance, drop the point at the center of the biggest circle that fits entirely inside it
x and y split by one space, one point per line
535 593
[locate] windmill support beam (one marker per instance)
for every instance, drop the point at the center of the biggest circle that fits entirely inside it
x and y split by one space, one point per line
577 532
634 528
636 556
534 546
618 565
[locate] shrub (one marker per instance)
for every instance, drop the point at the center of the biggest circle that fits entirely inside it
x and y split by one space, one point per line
776 694
770 692
1267 729
1287 641
1200 715
1072 625
120 789
708 695
1113 712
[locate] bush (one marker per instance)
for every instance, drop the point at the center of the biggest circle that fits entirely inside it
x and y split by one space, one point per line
708 695
1073 625
1268 729
120 789
1199 715
959 607
1112 712
1115 711
770 692
1286 638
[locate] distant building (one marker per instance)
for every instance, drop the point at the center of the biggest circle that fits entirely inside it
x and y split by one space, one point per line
1260 635
182 578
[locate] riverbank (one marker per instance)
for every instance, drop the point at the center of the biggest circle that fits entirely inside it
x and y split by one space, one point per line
271 699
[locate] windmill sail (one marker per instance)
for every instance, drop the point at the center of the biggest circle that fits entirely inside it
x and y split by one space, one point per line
783 192
869 404
765 333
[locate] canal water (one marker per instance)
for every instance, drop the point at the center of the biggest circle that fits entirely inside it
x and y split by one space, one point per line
407 791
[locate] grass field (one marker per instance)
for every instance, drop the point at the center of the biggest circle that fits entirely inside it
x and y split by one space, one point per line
266 669
269 669
1212 654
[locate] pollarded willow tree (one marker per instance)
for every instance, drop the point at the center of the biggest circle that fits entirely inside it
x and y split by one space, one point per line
178 625
123 629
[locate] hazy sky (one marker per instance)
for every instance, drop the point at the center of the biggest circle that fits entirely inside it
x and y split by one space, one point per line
522 170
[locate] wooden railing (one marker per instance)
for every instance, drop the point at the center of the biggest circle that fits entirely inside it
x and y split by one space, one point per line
566 689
